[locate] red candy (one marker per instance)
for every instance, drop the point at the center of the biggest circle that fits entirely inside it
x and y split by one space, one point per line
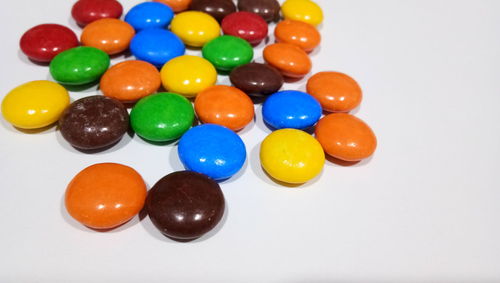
43 42
86 11
249 26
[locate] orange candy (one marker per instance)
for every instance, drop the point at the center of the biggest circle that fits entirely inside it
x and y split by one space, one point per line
301 34
224 105
335 91
110 35
129 81
346 137
176 5
105 195
289 59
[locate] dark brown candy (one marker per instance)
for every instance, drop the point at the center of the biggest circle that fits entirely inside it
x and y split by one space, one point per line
257 79
185 205
216 8
94 122
267 9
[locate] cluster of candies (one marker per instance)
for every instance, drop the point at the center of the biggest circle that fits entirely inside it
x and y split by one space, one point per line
185 205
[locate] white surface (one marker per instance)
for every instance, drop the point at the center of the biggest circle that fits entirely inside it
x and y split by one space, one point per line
425 208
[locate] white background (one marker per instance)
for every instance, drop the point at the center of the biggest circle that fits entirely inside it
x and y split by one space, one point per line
424 208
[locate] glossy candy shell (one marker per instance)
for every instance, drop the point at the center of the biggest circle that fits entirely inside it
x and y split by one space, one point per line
215 8
176 5
289 59
149 15
109 35
228 52
156 46
269 10
257 79
195 28
337 92
302 10
298 33
249 26
87 11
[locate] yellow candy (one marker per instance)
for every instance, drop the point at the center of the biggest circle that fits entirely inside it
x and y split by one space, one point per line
302 10
35 104
195 28
292 156
188 75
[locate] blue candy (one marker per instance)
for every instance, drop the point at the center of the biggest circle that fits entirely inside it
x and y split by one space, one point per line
149 15
213 150
291 109
156 46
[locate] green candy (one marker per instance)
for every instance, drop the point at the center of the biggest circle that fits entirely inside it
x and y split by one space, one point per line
79 65
228 52
162 117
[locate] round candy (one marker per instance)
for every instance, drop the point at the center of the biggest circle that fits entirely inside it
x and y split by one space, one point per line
162 117
176 5
94 122
156 46
35 104
185 205
291 109
131 80
289 59
224 105
304 35
215 8
86 11
291 156
346 137
269 10
195 28
149 15
249 26
105 195
302 10
212 150
335 91
79 65
43 42
188 75
109 35
257 79
228 52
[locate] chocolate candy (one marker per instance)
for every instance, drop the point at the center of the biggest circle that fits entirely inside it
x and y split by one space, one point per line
156 46
176 5
149 15
257 79
228 52
267 9
109 35
195 28
185 205
86 11
43 42
216 8
94 122
302 10
302 34
249 26
289 59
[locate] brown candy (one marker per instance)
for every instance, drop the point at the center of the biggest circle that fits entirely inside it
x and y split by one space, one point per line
257 79
267 9
216 8
94 122
185 205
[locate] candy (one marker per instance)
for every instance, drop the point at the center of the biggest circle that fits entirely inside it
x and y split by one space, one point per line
86 11
291 156
131 80
256 79
105 195
35 104
291 109
176 5
335 91
228 52
79 65
156 46
94 122
195 28
289 59
302 10
346 137
149 15
304 35
109 35
162 117
212 150
224 105
185 205
188 75
215 8
269 10
249 26
43 42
